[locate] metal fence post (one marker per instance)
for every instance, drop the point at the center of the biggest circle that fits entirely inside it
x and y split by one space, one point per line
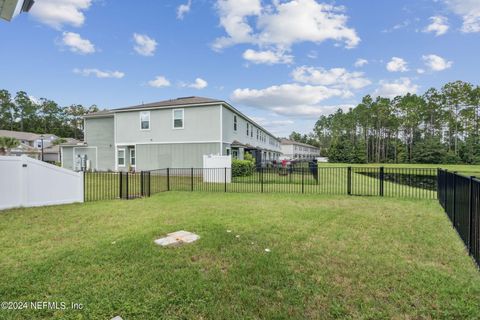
261 177
149 183
303 180
470 214
168 179
126 186
120 184
454 196
191 178
445 190
225 179
382 178
349 181
84 187
142 181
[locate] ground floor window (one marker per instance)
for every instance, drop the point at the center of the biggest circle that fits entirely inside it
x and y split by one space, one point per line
132 157
228 151
235 154
121 157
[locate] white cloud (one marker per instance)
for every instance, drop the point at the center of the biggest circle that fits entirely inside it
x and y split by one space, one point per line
397 65
272 123
420 71
57 13
282 24
336 77
77 44
159 82
267 57
395 88
436 63
198 84
439 25
99 73
360 63
183 9
288 99
469 10
144 45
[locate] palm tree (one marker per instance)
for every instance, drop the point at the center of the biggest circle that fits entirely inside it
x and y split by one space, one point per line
7 144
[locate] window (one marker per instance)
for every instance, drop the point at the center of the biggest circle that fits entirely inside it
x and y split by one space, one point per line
178 115
257 134
145 120
251 131
132 157
234 123
121 157
235 154
228 151
248 127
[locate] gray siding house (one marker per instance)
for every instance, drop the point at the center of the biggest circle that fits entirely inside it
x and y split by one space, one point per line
168 134
294 150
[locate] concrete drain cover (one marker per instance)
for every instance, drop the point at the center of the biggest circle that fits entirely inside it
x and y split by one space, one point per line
177 238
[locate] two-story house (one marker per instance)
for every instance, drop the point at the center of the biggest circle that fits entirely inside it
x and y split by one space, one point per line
168 134
299 151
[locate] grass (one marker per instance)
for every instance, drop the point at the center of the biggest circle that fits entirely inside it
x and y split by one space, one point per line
467 170
331 257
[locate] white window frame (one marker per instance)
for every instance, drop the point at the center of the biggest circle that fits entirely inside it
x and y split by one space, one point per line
173 119
149 120
124 157
134 157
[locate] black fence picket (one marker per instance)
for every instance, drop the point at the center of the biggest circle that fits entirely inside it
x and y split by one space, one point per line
460 198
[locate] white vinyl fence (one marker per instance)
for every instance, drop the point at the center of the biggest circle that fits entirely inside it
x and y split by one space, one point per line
26 182
217 169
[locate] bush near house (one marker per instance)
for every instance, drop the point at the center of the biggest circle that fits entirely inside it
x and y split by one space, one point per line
242 168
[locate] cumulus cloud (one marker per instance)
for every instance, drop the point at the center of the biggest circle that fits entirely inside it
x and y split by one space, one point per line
469 10
335 77
267 57
282 24
436 63
183 9
360 63
392 89
99 73
438 25
77 44
144 45
288 99
198 84
397 65
159 82
57 13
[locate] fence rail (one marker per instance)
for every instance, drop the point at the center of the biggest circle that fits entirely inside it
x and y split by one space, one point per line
361 181
460 198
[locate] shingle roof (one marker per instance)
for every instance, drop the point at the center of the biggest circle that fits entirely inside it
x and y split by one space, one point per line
183 101
287 141
20 135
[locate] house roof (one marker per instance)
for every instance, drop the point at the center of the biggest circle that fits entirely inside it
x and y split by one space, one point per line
182 101
28 136
288 142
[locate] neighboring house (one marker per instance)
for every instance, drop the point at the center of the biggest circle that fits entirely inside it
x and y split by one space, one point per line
31 144
168 134
299 151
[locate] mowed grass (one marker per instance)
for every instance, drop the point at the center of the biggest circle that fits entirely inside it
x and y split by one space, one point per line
467 170
331 257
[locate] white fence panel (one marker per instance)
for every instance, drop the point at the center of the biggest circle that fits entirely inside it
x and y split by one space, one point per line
26 182
219 169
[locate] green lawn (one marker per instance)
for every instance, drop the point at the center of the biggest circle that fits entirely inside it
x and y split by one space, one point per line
331 257
468 170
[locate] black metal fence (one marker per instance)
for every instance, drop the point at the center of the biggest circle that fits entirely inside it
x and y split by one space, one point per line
362 181
460 197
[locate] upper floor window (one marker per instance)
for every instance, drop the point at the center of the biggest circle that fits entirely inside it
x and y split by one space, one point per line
257 134
145 120
234 123
178 115
248 129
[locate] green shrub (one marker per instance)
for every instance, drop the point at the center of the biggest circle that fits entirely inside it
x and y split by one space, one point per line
248 157
242 168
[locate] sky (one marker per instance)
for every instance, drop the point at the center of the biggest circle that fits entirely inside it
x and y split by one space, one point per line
284 63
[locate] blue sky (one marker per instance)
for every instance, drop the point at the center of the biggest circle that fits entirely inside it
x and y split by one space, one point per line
284 63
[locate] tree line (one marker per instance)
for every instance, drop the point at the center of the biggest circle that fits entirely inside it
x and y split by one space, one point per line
22 113
440 126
